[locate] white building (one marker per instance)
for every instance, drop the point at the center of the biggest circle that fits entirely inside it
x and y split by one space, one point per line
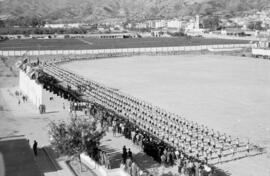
141 25
70 25
193 27
74 25
174 24
197 22
54 25
160 24
193 24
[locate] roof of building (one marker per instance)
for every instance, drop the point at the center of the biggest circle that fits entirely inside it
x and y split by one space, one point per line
234 30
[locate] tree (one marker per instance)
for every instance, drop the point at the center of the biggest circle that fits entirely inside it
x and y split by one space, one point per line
211 22
76 136
2 23
35 22
258 25
255 25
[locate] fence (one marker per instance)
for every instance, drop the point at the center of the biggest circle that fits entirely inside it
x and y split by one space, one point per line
121 50
261 52
228 37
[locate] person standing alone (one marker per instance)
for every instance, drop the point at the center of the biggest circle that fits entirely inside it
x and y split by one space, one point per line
35 147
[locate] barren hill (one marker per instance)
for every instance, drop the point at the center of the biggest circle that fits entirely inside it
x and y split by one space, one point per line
93 10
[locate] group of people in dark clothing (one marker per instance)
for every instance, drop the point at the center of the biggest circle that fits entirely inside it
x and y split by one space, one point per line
154 147
126 154
129 165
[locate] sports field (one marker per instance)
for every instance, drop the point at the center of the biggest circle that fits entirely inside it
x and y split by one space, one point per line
94 43
229 94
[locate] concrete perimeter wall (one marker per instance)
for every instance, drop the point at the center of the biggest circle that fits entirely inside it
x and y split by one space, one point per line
38 95
30 88
121 50
85 159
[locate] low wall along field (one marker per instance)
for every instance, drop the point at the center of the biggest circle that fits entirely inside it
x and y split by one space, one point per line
30 88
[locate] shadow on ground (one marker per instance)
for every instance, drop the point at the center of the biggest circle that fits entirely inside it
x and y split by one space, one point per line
144 161
46 160
17 158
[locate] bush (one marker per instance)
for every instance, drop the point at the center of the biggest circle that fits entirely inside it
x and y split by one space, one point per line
76 136
177 34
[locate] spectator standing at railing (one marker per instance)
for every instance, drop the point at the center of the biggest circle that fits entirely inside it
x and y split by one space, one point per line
133 169
136 138
109 120
165 152
133 136
129 154
181 166
129 132
114 123
197 168
163 159
168 157
122 128
128 166
118 124
107 162
35 147
124 155
101 158
124 149
177 155
126 131
123 166
114 130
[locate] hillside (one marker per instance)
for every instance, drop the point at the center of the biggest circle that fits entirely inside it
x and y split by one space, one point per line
92 10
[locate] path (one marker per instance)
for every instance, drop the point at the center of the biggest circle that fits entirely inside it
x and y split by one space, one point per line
84 41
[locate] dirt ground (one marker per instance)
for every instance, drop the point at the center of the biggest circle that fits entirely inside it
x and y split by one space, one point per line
227 93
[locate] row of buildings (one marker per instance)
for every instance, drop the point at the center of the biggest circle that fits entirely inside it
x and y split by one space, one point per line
190 25
244 21
174 25
171 24
256 24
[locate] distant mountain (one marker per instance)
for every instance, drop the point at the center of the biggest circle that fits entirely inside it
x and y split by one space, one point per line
96 10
